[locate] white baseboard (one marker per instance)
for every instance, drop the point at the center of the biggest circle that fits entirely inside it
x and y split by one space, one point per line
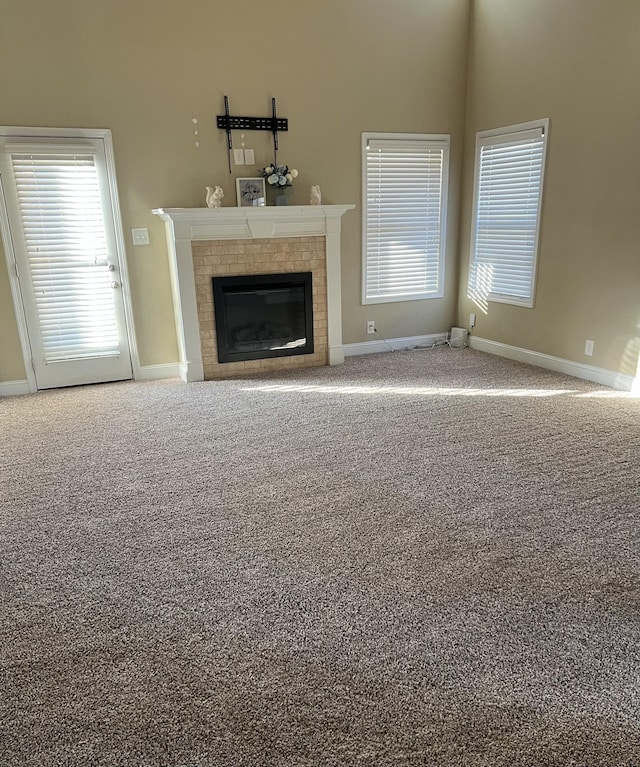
154 372
392 344
147 373
8 388
557 364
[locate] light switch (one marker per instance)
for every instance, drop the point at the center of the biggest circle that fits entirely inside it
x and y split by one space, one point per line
238 156
249 157
140 236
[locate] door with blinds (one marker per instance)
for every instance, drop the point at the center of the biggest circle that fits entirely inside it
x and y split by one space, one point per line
62 229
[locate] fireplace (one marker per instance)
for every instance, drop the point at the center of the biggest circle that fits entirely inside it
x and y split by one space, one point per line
259 316
218 242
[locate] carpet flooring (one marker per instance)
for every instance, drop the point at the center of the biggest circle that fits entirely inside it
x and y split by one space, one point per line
418 558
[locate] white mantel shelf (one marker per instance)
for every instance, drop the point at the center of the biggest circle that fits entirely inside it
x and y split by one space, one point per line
185 225
254 223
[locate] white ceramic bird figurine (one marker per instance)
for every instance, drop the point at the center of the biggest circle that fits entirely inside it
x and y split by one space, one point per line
214 196
316 196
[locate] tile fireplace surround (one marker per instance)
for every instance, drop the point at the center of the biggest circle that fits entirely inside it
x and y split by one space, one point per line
204 243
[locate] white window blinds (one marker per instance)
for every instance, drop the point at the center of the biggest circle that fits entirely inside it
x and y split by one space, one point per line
404 190
61 211
506 215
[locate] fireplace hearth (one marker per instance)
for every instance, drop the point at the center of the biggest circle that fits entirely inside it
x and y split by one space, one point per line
260 316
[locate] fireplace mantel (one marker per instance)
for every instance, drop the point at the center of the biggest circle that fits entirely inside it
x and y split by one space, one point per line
186 225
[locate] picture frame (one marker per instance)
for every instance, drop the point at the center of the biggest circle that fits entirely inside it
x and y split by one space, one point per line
251 192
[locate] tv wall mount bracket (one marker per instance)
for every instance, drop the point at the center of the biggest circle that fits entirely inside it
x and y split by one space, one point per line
275 124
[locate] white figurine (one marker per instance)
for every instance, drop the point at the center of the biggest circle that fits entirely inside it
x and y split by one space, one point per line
316 195
214 196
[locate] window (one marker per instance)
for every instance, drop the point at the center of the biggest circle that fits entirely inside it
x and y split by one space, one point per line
404 210
506 213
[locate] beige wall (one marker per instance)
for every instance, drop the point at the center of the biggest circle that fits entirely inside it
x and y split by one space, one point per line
338 68
145 68
578 63
11 365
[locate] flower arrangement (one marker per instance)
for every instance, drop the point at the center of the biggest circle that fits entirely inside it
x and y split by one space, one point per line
278 176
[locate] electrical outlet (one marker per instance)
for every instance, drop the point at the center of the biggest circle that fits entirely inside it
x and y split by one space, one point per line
371 327
472 320
238 156
588 348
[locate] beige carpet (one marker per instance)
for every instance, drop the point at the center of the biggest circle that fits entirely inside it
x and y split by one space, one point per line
420 558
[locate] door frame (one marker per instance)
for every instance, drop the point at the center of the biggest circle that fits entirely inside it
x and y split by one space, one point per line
103 134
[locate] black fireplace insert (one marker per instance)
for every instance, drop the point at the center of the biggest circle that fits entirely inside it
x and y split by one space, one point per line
263 315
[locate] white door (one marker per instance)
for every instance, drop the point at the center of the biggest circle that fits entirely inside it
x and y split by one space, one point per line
63 238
